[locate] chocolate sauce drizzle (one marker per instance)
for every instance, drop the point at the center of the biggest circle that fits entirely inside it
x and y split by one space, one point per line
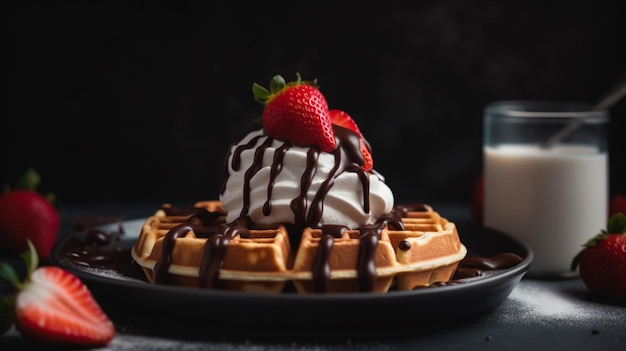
475 266
88 254
201 223
321 266
348 158
96 248
366 267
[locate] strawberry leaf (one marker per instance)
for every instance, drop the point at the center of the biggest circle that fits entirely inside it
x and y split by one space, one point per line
7 303
7 313
576 260
30 257
617 223
261 94
8 272
591 242
29 180
278 83
601 236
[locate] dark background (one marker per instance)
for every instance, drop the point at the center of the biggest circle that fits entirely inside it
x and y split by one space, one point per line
138 101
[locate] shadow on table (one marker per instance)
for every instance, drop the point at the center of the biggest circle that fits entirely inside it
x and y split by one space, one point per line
588 296
301 330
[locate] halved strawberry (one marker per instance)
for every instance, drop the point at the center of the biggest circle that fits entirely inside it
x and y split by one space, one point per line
343 119
296 112
53 306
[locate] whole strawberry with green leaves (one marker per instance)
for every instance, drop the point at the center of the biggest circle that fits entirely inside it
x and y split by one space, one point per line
297 112
602 261
26 214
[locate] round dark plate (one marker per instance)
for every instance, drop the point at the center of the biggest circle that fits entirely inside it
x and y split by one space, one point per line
135 302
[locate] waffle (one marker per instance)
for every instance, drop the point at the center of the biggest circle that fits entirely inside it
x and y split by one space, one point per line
194 247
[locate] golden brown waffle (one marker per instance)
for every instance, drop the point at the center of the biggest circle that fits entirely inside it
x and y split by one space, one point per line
247 257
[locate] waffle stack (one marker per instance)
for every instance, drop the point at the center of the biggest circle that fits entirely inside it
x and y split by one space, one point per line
194 247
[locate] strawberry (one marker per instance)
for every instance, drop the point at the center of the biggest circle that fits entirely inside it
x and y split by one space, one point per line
26 214
602 261
51 305
617 204
343 119
296 112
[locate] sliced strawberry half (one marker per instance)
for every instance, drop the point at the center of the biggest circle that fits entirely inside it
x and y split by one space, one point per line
343 119
53 306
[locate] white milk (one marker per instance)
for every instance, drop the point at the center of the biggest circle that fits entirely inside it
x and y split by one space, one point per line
554 200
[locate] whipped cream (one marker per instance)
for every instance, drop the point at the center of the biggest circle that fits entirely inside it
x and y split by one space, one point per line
306 187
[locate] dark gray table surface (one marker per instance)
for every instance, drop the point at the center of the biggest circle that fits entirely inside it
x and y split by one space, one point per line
537 315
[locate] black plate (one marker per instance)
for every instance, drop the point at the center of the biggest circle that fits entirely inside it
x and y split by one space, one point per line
132 302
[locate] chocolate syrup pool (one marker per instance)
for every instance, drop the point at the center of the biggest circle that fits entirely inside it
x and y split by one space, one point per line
92 248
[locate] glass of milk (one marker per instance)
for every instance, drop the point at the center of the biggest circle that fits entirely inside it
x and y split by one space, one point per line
552 197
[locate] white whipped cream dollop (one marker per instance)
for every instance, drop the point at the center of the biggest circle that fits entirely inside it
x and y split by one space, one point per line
342 205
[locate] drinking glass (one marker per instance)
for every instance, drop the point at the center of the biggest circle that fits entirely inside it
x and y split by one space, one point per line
552 196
